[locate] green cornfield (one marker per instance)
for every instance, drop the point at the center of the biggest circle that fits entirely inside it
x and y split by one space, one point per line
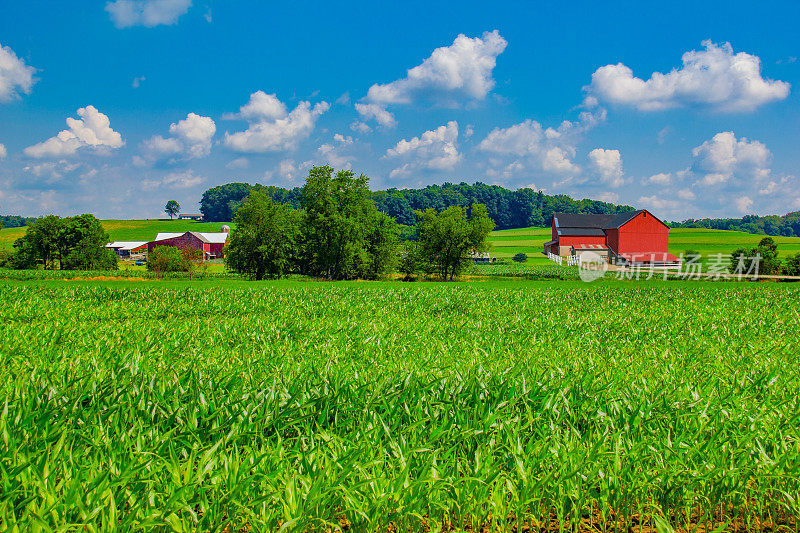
309 406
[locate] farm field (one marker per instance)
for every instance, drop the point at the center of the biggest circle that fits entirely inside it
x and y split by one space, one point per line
128 230
507 243
318 406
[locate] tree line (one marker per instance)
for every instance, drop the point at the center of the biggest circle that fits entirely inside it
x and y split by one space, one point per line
71 243
787 225
508 209
337 232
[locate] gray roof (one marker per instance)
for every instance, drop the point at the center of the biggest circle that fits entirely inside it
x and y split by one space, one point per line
575 232
581 223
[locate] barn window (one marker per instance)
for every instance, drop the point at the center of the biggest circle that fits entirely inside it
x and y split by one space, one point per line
644 214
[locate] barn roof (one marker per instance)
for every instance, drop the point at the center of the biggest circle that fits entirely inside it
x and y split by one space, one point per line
580 232
165 236
126 245
217 238
582 223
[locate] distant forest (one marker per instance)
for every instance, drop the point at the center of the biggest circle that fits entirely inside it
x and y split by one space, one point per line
14 221
508 209
787 225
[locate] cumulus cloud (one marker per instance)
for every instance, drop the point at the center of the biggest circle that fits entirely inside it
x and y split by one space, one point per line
608 165
376 112
51 170
15 76
725 156
261 106
190 138
271 130
715 78
664 207
662 178
288 171
148 13
461 70
435 150
174 180
3 151
550 149
92 130
743 204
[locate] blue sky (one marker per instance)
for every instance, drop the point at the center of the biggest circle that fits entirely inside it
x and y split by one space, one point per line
689 109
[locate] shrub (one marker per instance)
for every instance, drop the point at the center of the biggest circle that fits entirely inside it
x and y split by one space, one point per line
172 259
792 266
520 258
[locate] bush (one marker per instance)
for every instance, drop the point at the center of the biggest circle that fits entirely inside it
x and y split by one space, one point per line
172 259
520 258
792 266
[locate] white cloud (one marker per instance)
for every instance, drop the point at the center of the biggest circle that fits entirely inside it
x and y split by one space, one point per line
288 171
360 127
743 204
434 150
608 165
174 180
3 151
663 206
196 132
374 111
343 139
662 178
714 77
269 131
148 13
261 106
725 156
191 138
686 194
610 197
137 81
331 155
461 70
15 76
93 130
52 170
239 162
551 149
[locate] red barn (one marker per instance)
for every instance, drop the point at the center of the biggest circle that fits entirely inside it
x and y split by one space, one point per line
211 244
634 237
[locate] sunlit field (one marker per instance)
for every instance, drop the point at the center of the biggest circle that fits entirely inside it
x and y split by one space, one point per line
317 406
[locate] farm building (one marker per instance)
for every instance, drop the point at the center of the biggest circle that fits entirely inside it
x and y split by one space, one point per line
190 216
634 238
211 244
129 249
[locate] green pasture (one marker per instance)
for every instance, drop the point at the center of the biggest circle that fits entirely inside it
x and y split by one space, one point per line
129 230
507 243
226 405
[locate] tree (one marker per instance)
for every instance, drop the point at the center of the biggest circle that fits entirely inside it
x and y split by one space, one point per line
172 259
520 257
792 265
344 235
172 208
762 259
81 243
446 238
39 245
264 242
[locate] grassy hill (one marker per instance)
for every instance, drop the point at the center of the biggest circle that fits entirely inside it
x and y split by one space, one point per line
127 230
507 243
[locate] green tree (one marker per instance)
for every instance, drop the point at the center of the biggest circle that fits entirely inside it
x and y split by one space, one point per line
344 234
173 208
446 238
520 257
171 259
39 245
264 241
792 265
81 244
